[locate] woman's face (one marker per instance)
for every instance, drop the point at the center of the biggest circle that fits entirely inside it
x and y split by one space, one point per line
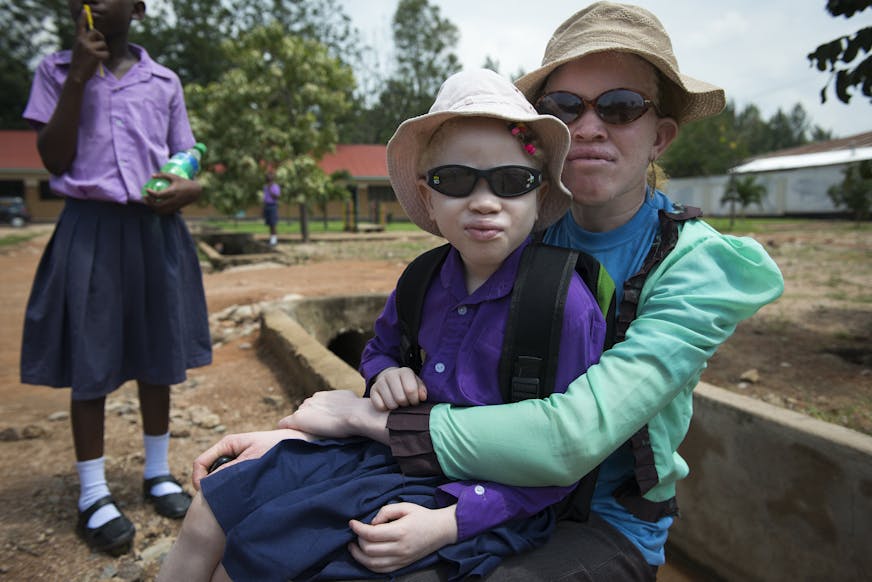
606 165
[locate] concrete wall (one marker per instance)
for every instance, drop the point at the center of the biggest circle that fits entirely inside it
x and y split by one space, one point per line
774 495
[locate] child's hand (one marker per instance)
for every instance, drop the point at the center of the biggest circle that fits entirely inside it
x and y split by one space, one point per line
89 50
179 193
395 387
402 533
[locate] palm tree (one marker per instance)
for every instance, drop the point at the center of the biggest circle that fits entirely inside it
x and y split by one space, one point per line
745 191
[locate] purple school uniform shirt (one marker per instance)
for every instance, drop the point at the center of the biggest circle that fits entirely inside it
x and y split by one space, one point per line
271 193
462 337
128 127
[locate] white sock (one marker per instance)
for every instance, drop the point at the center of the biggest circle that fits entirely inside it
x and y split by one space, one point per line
273 239
92 478
157 463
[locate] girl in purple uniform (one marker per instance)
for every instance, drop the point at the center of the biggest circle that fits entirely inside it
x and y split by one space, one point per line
481 169
118 294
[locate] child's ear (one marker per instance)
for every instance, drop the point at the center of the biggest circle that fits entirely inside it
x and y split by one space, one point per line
424 193
541 194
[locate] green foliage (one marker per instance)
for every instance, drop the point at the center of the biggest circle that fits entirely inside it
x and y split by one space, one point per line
424 42
743 191
713 145
277 106
837 55
855 191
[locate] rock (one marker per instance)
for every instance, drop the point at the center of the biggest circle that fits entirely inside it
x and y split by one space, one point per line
156 551
742 385
786 365
203 417
752 376
245 346
9 435
271 401
60 415
33 431
180 433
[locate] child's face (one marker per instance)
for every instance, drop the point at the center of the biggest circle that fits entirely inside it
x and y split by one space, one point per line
484 227
111 17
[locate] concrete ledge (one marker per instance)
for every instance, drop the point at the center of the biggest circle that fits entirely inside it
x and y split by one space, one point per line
307 363
773 494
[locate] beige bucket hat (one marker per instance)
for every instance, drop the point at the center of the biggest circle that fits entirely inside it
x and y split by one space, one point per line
477 93
606 27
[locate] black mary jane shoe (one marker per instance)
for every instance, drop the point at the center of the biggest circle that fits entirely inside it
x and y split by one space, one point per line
174 505
115 537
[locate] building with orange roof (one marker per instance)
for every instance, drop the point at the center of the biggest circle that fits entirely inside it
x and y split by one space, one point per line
372 199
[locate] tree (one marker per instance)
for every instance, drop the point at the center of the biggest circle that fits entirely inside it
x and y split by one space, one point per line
744 191
837 55
32 28
277 106
855 191
424 42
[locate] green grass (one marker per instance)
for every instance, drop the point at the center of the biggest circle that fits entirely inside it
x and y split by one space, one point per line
293 227
14 239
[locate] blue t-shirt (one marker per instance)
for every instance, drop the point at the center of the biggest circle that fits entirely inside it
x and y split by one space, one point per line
622 252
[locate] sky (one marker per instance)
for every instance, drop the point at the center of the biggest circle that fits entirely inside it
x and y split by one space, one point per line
755 49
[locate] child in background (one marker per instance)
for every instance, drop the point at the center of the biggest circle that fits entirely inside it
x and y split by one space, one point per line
271 194
118 294
481 169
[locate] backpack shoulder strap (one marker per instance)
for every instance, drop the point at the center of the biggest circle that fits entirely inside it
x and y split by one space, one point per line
664 242
411 288
531 344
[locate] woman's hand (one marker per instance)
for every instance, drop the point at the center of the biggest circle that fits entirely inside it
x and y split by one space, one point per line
395 387
402 533
243 446
339 414
178 194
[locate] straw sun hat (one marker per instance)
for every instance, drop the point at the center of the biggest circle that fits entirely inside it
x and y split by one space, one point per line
609 27
477 93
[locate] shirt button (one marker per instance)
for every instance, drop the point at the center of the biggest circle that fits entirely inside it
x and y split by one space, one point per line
439 367
461 310
119 122
479 490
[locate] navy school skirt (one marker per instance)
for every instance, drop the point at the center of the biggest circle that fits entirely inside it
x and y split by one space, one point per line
286 514
118 296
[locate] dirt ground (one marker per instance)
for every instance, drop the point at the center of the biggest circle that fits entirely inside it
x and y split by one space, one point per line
810 351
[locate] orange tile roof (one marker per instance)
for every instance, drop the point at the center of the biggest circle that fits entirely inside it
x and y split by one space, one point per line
359 160
18 150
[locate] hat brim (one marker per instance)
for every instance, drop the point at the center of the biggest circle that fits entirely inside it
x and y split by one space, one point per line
691 98
413 135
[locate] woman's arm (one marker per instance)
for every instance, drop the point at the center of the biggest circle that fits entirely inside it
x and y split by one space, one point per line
689 306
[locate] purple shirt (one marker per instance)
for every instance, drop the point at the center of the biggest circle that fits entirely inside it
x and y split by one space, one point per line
271 193
128 127
462 338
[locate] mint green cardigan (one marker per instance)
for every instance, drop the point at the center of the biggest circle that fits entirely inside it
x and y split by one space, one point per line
690 304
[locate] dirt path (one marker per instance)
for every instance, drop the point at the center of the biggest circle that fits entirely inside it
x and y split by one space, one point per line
810 350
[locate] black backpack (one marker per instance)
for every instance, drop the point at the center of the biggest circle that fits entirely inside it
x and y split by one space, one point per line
531 345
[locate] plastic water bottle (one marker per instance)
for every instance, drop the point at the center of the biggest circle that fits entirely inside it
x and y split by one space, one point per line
185 164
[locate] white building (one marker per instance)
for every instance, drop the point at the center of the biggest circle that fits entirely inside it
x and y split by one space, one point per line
796 179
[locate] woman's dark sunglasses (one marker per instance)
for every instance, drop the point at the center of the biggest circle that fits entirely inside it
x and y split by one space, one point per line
505 181
616 107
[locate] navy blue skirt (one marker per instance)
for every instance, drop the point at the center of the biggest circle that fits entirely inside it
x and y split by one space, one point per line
118 296
271 214
286 514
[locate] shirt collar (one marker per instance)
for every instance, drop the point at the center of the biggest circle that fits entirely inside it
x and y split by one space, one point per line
453 278
144 68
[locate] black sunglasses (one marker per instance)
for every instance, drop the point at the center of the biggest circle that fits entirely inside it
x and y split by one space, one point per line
616 106
505 181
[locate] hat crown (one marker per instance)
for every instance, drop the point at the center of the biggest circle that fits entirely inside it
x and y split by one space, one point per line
609 26
483 92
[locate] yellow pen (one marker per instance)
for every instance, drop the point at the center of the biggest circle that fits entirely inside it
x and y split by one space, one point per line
90 19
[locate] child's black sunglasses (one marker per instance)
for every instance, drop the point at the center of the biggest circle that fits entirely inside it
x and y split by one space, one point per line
616 106
505 181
